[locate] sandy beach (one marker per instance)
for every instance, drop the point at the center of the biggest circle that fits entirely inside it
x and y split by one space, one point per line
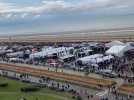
126 34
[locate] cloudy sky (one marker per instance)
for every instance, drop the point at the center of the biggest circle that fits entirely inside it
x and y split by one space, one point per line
42 16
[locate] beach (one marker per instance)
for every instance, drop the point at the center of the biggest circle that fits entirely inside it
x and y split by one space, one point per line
125 34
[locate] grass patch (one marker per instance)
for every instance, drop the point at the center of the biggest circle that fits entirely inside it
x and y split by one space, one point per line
12 92
130 85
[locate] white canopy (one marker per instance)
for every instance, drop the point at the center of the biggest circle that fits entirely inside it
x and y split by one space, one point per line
100 59
49 51
3 47
114 43
95 59
91 58
15 54
16 59
119 50
66 56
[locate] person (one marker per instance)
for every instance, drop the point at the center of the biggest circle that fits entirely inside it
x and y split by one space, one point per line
48 69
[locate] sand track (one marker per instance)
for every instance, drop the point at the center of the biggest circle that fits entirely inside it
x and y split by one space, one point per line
77 79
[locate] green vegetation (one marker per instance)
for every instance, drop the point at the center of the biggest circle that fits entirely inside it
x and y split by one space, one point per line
12 92
130 85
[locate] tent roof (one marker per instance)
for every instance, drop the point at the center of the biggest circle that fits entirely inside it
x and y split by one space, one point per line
50 51
114 43
91 57
66 56
119 50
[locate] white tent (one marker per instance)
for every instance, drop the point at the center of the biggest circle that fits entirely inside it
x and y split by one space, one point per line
3 47
119 50
100 59
130 43
50 51
66 56
114 43
16 60
88 59
15 54
94 59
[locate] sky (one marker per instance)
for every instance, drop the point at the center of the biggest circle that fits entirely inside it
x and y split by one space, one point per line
45 16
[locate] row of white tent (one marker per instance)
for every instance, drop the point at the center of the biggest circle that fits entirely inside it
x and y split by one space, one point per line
116 48
94 59
61 51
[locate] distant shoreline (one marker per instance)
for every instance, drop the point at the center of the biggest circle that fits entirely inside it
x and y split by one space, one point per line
113 30
123 34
